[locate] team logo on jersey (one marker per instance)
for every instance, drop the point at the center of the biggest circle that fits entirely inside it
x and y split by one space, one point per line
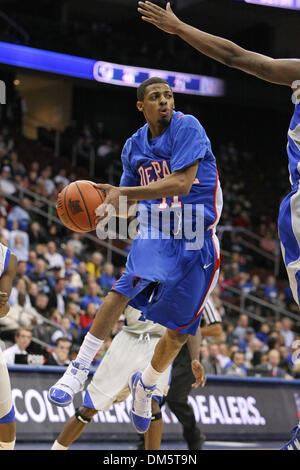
74 206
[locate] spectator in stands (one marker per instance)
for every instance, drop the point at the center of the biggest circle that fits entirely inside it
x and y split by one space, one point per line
60 354
243 343
223 355
211 364
45 180
285 360
263 333
82 272
270 289
17 166
64 330
23 339
21 286
94 266
21 271
244 284
19 315
91 296
87 317
69 253
7 185
60 294
53 233
269 243
20 214
76 242
253 351
73 279
32 257
204 352
107 278
242 324
38 276
237 366
54 258
18 242
273 365
61 177
36 234
286 331
42 305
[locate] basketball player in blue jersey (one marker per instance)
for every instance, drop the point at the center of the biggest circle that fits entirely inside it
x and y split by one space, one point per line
8 268
168 167
278 71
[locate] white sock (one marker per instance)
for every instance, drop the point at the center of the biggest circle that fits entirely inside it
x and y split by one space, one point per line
150 376
88 349
58 446
7 445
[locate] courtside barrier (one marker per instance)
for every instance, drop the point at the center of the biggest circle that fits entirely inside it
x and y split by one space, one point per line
227 408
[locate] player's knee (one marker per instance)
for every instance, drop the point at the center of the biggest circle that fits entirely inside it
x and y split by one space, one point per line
176 338
155 407
84 415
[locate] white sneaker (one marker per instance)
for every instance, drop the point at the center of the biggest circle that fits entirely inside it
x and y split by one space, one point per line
73 380
141 410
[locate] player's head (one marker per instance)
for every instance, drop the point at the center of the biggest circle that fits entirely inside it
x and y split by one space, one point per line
156 101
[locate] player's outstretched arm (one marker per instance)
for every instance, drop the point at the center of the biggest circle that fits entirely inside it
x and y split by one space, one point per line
279 71
177 183
6 282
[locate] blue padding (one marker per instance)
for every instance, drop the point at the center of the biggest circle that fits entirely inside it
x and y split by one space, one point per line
87 402
157 398
9 418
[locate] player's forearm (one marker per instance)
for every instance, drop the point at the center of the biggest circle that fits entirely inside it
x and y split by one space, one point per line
212 46
212 330
193 344
227 52
174 184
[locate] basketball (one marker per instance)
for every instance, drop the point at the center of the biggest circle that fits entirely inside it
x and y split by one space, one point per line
76 205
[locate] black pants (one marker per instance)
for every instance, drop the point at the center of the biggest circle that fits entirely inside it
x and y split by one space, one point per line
177 399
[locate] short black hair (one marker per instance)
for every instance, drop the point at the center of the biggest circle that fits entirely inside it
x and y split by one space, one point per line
141 89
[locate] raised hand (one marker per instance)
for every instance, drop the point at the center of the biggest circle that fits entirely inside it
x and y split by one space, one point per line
162 19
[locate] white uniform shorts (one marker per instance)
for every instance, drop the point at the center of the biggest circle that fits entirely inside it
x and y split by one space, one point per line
127 354
5 390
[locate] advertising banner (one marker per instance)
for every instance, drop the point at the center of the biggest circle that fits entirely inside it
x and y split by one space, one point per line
226 408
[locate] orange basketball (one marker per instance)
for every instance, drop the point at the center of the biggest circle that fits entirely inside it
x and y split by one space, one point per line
76 205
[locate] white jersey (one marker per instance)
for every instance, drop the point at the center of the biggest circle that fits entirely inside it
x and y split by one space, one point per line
4 257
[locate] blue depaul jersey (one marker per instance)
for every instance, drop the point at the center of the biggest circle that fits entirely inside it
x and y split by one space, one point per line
293 148
145 160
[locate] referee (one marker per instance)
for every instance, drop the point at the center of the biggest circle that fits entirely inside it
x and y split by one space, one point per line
182 377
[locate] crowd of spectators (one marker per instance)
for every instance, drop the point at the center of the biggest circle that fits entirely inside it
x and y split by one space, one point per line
62 277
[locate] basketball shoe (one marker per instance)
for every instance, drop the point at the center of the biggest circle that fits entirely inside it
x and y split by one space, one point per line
141 411
63 391
294 443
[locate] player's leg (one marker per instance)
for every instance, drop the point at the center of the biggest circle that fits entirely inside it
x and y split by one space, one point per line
153 435
61 394
177 400
7 413
179 308
142 385
289 234
74 428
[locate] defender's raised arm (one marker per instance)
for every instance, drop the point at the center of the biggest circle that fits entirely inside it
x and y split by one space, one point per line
279 71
